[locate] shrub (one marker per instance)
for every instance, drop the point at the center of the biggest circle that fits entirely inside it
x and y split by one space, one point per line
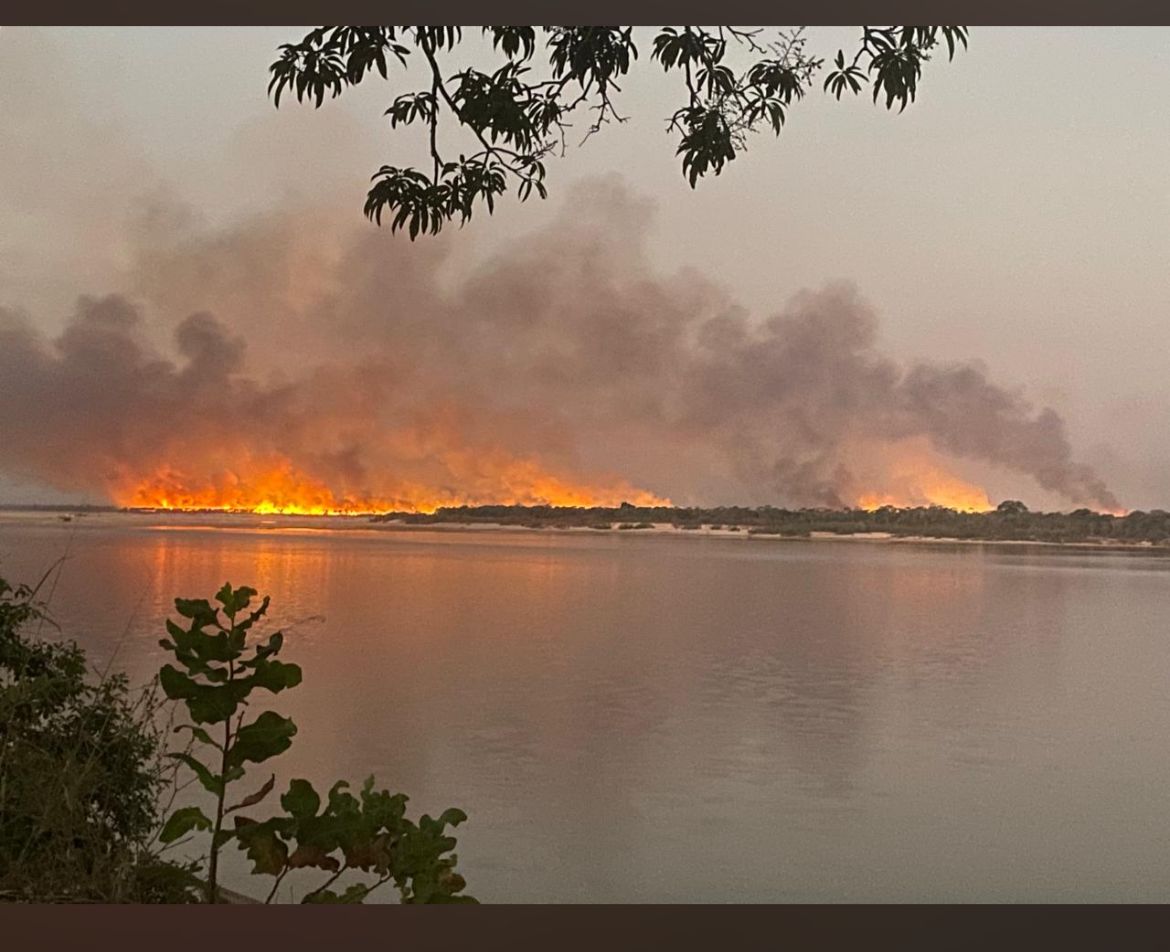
84 777
81 776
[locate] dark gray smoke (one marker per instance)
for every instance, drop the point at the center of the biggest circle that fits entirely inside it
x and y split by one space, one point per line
376 367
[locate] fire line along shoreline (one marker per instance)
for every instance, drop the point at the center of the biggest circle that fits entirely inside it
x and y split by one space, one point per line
1012 522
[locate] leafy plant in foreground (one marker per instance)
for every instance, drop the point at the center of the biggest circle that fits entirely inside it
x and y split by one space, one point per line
368 833
81 774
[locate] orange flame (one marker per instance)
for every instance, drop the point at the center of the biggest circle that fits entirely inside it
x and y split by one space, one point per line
914 478
955 494
280 488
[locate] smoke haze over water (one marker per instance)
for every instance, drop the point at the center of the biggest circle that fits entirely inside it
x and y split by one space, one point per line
375 367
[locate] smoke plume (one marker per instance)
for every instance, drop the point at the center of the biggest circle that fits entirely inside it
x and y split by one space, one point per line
294 348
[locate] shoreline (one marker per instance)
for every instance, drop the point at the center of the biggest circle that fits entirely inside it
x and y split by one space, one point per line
668 529
247 522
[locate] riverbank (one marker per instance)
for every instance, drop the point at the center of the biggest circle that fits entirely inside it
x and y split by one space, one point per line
172 521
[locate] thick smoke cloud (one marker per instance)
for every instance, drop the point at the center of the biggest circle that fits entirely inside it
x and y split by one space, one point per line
377 367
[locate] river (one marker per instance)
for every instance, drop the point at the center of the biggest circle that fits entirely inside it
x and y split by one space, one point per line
678 718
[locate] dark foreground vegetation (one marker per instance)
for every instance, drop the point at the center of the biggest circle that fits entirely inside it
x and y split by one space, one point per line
82 779
88 788
1011 521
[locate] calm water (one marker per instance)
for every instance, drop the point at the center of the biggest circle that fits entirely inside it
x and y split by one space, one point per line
635 718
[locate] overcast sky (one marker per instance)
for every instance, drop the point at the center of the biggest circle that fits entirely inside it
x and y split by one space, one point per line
1017 213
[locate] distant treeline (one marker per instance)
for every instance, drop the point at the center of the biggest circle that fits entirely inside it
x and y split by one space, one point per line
1012 520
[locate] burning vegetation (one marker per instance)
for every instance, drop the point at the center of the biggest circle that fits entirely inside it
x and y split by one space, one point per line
279 489
560 372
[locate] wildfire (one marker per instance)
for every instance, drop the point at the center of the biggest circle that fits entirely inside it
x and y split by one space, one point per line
960 497
913 477
280 488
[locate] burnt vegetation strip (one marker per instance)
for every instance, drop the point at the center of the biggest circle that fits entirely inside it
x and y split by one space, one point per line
1011 521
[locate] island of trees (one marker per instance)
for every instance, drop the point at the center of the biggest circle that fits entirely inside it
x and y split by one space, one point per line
1012 520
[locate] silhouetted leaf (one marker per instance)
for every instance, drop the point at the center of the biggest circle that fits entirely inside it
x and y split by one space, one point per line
262 845
301 801
176 685
199 610
199 734
452 816
275 676
213 705
182 822
269 735
234 600
305 855
254 798
209 780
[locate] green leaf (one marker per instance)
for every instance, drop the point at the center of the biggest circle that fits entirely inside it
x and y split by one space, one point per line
233 600
272 646
339 800
366 852
322 897
215 704
309 855
199 734
209 781
216 647
199 610
452 816
176 685
263 847
268 735
301 801
236 639
182 822
275 676
355 893
258 613
183 639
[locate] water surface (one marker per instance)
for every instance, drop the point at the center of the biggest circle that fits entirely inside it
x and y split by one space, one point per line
628 717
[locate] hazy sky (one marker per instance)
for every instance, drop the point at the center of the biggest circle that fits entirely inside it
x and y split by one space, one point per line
1018 213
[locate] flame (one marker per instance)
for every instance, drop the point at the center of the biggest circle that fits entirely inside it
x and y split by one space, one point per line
914 477
279 487
951 494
